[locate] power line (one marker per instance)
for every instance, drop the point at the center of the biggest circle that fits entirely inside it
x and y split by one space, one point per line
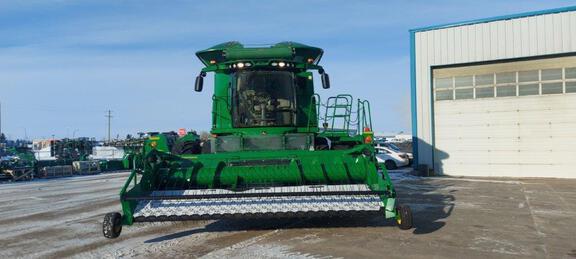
0 118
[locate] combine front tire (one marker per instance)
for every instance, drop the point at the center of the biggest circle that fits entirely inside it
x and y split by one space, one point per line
112 225
404 217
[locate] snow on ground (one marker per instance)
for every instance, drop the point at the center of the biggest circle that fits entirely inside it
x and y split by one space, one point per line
402 174
62 217
454 217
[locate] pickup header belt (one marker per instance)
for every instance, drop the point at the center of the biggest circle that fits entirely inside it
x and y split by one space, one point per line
277 201
301 214
249 195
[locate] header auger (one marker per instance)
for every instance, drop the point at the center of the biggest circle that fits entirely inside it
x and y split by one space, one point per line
276 150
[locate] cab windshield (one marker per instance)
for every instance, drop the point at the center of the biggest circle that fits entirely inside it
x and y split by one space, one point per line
264 98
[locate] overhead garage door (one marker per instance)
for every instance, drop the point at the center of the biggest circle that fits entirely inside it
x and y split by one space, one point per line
513 119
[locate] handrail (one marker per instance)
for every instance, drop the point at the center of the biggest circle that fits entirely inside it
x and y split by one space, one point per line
364 115
317 113
214 113
340 106
336 103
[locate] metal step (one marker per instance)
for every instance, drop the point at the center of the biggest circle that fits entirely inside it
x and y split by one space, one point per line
284 201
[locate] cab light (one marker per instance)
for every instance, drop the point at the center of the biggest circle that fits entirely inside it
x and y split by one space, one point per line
310 60
212 61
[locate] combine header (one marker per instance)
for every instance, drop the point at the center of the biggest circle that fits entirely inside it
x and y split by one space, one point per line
276 149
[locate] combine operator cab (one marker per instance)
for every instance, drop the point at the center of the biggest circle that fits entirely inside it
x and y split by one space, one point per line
276 150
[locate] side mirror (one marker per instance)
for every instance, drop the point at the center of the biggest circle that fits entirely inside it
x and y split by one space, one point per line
325 81
199 82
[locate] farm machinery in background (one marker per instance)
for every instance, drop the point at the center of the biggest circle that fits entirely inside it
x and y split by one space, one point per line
64 157
23 160
17 162
276 149
120 153
117 154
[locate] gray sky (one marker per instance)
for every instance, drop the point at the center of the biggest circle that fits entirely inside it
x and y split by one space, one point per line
64 63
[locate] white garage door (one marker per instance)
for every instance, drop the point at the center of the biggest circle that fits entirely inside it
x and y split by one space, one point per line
513 119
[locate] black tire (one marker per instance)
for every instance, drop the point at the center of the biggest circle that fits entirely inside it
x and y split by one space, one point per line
321 144
404 217
112 225
390 165
187 147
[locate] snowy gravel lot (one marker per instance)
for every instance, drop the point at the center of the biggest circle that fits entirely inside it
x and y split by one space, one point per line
455 217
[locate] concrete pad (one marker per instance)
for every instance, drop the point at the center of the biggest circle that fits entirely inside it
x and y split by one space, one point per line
454 217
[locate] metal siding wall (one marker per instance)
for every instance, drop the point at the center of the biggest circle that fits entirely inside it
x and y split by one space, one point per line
505 39
423 50
567 27
457 43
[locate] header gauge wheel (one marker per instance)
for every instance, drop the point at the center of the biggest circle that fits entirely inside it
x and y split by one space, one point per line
404 217
112 225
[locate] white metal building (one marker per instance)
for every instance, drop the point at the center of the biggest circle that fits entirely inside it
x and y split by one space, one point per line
497 96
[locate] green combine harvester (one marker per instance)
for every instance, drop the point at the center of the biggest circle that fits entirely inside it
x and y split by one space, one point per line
276 149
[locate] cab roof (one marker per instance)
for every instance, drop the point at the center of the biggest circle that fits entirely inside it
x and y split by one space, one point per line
236 51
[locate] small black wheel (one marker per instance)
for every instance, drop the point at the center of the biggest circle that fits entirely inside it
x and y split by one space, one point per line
390 165
112 225
404 217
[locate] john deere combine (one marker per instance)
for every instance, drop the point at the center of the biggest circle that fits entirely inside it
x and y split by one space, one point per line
276 149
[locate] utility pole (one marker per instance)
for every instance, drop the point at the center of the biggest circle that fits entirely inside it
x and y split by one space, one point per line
0 118
109 116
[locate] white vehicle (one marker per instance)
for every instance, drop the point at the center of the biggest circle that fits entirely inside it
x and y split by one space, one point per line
394 148
391 158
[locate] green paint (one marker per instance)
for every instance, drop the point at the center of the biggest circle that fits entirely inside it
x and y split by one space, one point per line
265 152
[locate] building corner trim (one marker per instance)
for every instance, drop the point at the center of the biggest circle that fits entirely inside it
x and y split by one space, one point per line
413 98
